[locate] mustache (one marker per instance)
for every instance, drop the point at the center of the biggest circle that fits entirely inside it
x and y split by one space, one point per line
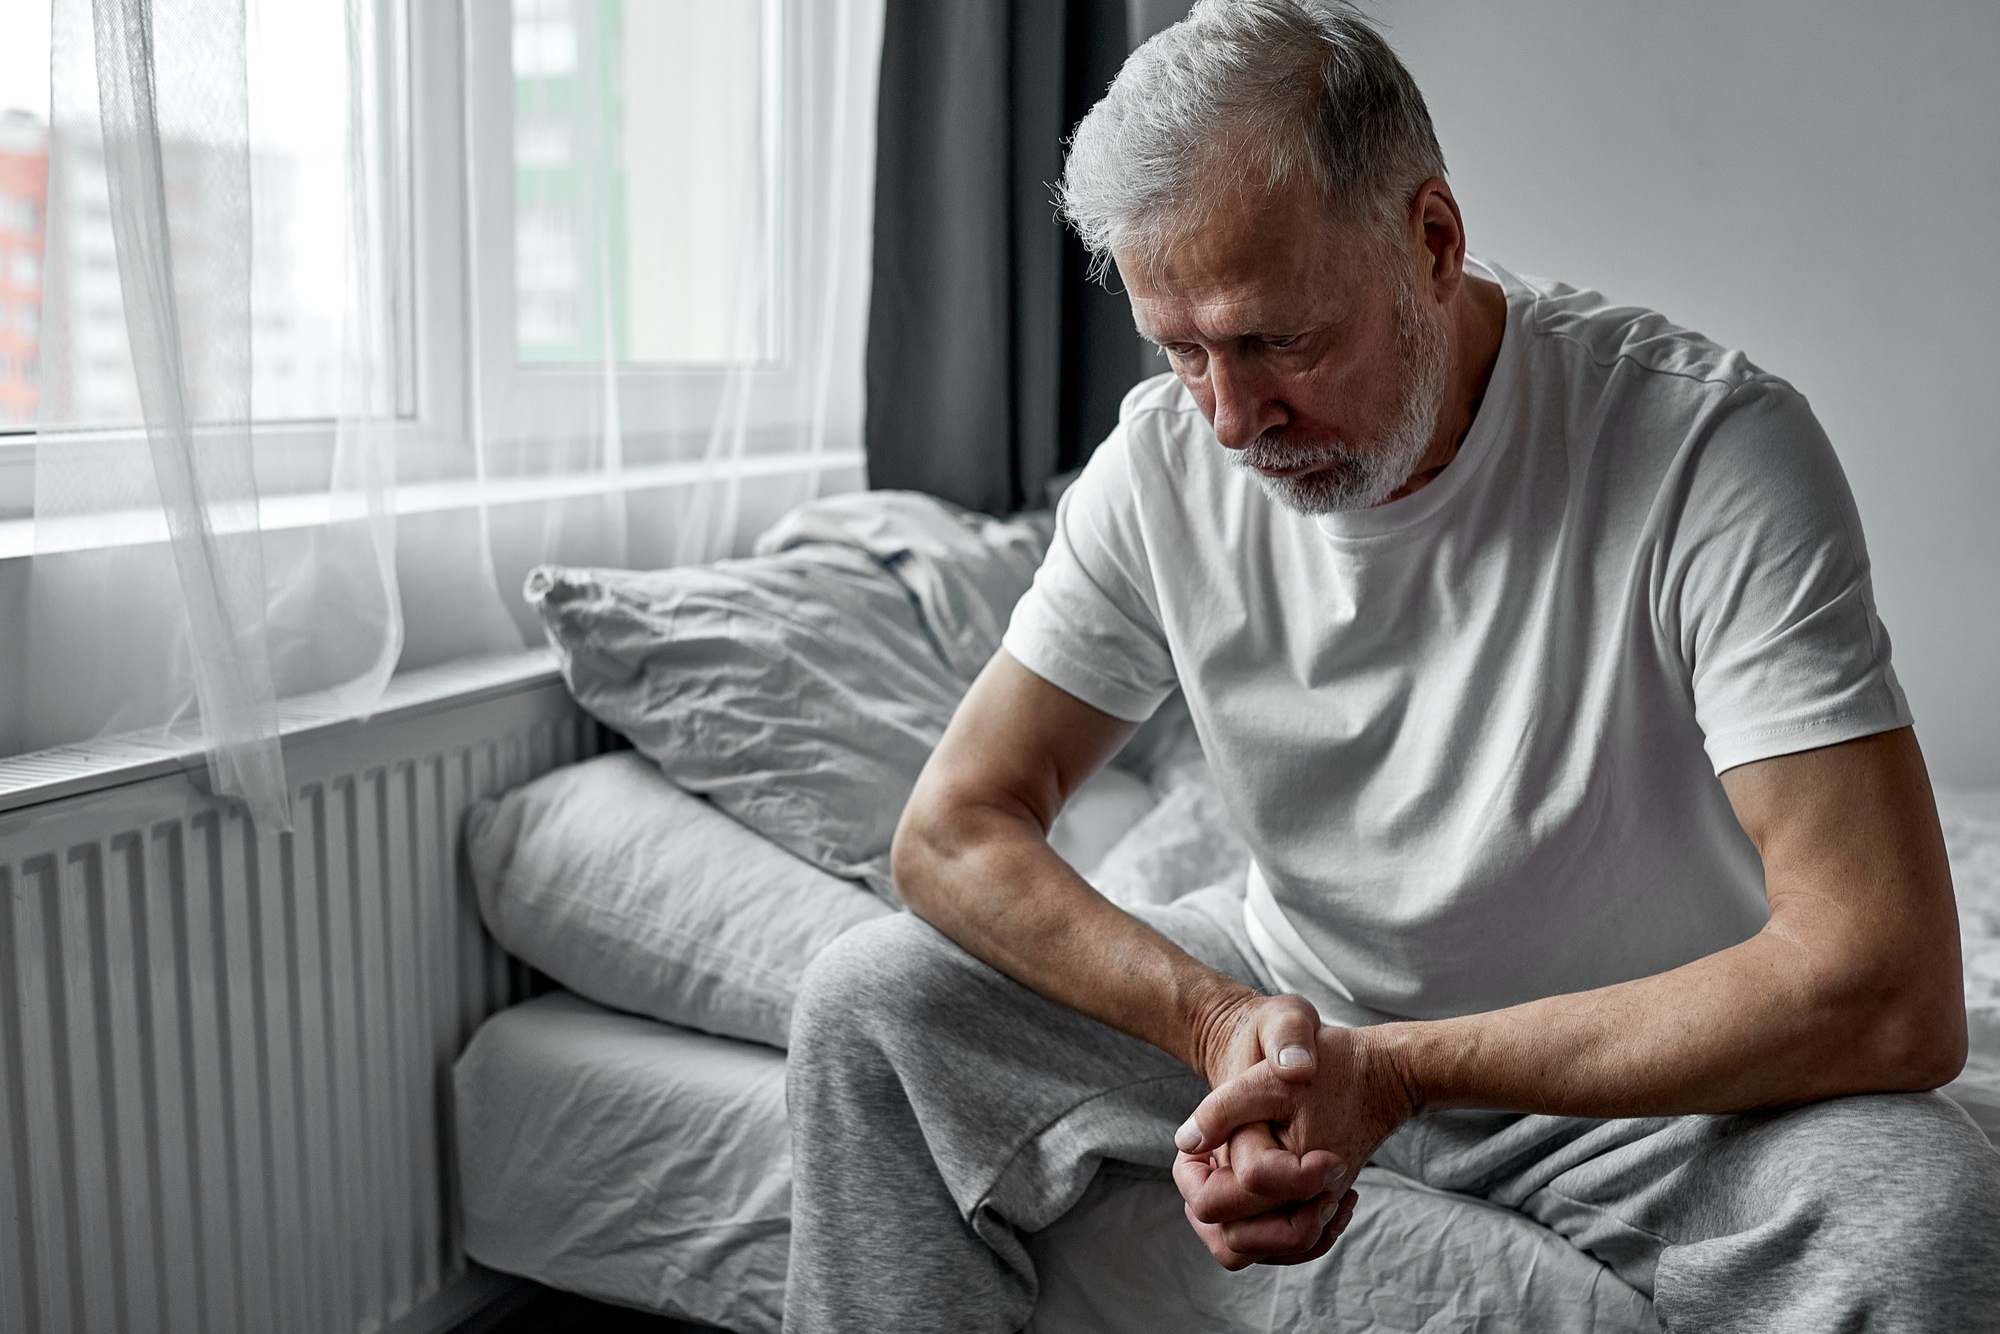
1275 451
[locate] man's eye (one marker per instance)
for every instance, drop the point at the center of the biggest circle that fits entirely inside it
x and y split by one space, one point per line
1182 350
1286 341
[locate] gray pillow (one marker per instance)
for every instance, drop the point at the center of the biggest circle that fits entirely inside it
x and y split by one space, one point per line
637 895
799 691
965 571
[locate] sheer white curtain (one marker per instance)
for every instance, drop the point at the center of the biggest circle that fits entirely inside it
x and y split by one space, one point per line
698 369
673 250
156 599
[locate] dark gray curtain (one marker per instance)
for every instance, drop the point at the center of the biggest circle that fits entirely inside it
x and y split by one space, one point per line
993 363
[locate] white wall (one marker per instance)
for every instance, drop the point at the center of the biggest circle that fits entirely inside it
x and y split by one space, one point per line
1814 181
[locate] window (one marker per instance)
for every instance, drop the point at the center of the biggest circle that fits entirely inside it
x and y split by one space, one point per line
297 175
638 134
584 185
297 170
650 201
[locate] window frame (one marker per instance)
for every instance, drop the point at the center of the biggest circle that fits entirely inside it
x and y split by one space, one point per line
666 411
426 365
667 414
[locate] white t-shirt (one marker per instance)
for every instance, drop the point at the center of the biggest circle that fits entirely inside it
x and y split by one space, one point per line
1473 736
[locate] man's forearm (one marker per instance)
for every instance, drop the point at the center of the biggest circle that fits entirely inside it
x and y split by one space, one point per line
1754 1026
993 884
1852 986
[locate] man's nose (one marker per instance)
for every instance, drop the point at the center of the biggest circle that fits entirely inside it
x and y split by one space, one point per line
1245 407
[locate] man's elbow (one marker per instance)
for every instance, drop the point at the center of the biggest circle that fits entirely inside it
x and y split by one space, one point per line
941 828
913 857
1920 1039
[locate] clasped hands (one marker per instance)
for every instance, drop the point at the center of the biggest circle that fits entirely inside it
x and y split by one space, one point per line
1267 1162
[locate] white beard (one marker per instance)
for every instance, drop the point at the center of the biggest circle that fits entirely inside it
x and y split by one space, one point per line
1360 476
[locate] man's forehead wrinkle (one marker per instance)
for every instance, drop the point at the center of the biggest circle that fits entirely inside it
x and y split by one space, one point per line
1264 265
1216 316
1193 301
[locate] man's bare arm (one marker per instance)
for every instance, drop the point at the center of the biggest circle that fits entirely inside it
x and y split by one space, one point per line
1853 986
972 858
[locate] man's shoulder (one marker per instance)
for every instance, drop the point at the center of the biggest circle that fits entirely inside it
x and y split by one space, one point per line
1587 338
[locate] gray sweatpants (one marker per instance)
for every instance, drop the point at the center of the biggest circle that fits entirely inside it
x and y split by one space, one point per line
939 1110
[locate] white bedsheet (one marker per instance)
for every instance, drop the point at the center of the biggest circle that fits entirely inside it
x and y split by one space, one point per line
1971 822
637 1163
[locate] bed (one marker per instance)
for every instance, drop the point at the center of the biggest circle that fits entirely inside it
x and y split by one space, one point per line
625 1137
647 1165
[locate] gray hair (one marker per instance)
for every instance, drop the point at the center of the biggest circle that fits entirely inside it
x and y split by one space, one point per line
1248 94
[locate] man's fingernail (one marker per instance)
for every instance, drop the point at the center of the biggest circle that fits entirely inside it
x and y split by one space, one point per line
1188 1137
1291 1058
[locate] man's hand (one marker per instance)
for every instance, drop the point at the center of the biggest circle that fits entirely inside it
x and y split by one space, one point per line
1267 1161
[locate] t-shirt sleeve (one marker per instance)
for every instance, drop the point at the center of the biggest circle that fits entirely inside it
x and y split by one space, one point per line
1090 624
1768 590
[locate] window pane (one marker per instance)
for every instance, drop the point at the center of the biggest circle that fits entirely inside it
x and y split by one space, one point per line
298 189
641 172
24 114
298 109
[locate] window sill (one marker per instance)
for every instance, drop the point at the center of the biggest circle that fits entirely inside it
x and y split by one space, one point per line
277 513
114 761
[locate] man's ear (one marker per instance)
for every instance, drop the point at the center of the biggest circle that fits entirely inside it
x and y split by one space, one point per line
1434 212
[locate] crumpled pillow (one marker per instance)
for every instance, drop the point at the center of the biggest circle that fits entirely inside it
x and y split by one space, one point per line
637 895
634 894
965 571
800 690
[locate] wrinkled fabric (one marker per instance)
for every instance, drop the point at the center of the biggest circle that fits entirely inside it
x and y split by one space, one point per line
952 1138
1414 1261
942 1112
616 1157
1972 837
639 896
1971 821
1498 704
642 1164
964 570
802 689
1186 842
799 692
627 890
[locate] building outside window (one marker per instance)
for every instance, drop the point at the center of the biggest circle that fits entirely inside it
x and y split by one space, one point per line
24 185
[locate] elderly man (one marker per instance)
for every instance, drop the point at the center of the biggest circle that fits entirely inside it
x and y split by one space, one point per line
1532 644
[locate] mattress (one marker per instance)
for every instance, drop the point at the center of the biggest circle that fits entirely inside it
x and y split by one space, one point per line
646 1165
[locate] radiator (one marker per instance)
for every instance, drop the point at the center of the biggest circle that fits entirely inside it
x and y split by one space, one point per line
224 1059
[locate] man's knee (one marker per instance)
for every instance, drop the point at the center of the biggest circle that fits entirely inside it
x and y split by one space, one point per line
1911 1172
1897 1142
1923 1150
1882 1209
885 973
